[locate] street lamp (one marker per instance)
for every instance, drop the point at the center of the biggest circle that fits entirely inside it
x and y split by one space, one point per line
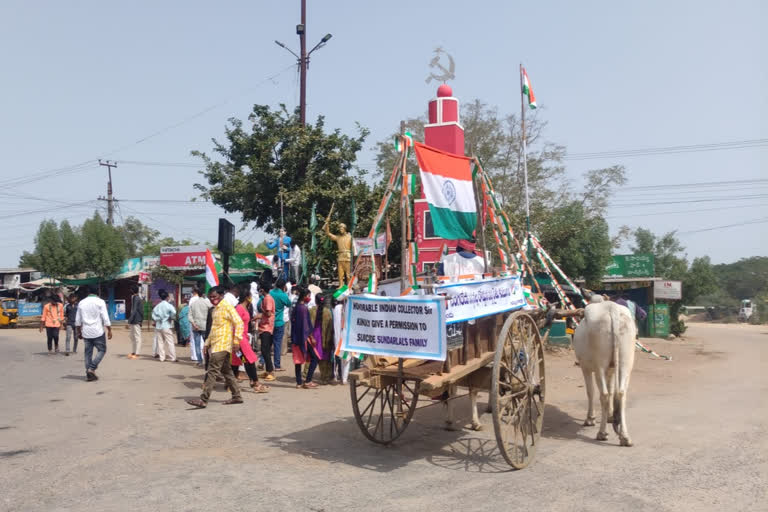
303 60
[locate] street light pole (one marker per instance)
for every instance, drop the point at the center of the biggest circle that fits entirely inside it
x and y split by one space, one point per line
303 59
302 31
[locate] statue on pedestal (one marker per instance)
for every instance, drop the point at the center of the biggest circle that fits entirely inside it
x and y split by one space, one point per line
343 249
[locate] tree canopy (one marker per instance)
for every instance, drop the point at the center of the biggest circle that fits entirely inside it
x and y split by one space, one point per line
61 250
273 156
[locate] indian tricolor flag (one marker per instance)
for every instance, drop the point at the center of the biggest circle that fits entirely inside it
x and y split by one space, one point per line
528 90
211 276
263 261
446 180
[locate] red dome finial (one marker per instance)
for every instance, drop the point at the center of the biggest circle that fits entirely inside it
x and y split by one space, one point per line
444 91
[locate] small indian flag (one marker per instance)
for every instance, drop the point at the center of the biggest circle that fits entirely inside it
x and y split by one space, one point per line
528 90
263 260
446 180
211 276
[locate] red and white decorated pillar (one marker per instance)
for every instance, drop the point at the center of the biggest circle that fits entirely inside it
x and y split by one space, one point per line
443 132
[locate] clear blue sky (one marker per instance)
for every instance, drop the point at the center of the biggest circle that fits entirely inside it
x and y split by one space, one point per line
82 79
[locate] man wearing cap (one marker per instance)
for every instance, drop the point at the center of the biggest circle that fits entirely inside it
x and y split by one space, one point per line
463 262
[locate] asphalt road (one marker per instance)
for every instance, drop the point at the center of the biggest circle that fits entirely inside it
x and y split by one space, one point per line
129 441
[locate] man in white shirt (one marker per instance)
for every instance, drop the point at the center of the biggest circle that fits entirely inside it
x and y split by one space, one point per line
463 262
232 296
91 320
295 263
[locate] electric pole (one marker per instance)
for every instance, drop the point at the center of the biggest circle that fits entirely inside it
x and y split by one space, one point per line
110 200
302 59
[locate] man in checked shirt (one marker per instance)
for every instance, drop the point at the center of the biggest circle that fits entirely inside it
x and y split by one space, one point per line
227 326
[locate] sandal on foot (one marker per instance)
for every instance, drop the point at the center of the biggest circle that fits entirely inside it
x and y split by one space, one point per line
269 378
233 401
310 385
260 388
196 402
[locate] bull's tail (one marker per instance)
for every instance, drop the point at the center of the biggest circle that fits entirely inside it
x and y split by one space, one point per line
615 325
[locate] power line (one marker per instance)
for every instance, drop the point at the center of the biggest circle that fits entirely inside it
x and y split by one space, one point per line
706 200
43 210
51 173
82 166
747 222
161 164
644 214
698 184
198 114
668 150
657 193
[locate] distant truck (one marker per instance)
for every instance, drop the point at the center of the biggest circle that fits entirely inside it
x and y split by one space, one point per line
745 311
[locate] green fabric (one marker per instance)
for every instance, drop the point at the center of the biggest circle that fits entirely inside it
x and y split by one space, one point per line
245 261
453 225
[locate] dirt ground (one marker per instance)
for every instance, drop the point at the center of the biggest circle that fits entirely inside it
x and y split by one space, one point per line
130 442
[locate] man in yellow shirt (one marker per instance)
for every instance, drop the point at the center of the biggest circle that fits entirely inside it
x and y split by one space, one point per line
227 326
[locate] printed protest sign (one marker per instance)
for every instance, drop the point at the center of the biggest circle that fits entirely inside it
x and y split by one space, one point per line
411 327
476 299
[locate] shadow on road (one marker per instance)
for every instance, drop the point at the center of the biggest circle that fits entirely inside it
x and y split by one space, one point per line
559 424
73 377
342 442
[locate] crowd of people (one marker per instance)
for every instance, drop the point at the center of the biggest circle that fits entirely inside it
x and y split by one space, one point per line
236 333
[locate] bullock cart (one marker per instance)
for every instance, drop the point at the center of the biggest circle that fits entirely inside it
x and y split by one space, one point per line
502 354
496 347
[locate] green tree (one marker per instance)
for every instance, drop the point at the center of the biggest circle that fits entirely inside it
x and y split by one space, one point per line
49 256
72 243
698 279
744 279
578 242
274 156
103 247
668 261
137 236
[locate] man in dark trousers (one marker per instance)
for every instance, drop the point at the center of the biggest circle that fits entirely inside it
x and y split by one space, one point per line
134 321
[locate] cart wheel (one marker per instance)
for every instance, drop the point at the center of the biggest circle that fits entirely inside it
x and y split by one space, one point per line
517 390
383 413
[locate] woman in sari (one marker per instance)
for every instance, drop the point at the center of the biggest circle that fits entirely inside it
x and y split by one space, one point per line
323 334
244 354
185 327
302 342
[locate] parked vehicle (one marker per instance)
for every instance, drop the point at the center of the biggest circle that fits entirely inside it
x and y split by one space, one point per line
745 311
9 312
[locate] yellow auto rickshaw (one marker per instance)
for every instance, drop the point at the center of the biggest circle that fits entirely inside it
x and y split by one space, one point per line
9 312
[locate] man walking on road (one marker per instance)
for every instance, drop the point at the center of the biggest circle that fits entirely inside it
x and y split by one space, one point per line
70 315
198 316
91 320
163 315
227 326
135 320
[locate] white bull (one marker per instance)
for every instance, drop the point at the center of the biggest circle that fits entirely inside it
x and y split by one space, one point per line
604 343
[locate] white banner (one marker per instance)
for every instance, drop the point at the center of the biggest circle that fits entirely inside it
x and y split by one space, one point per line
476 299
672 290
412 327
